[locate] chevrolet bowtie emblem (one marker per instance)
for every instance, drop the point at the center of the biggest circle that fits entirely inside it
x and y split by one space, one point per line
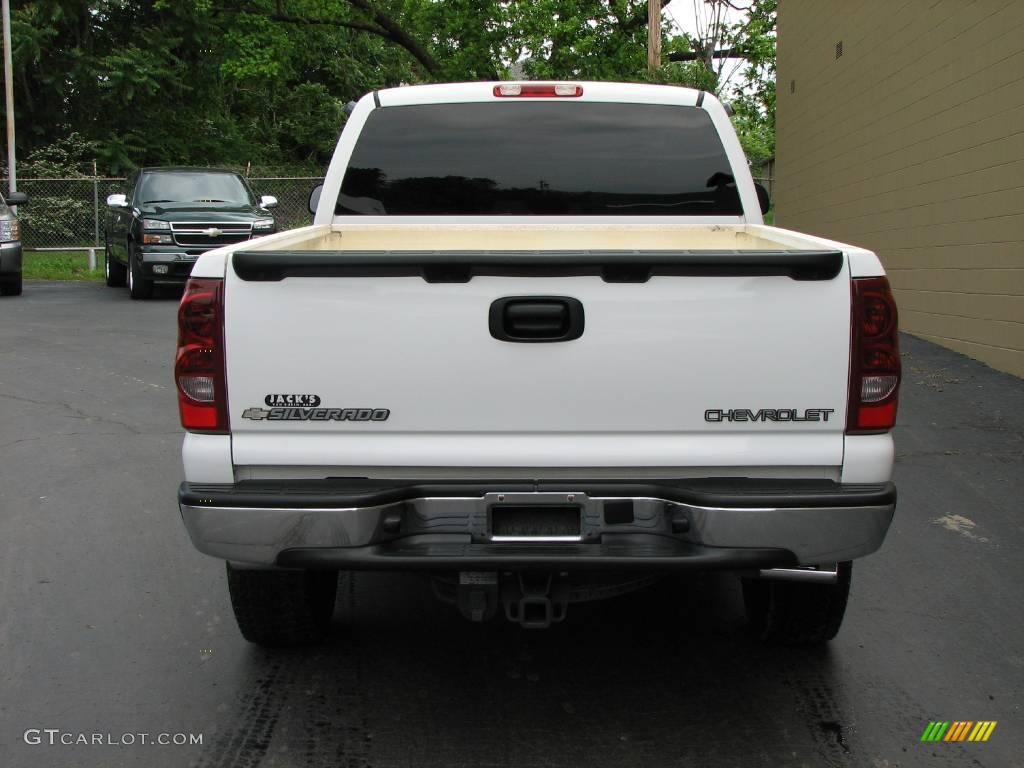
213 232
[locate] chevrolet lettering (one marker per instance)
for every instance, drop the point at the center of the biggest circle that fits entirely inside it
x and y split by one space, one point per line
768 414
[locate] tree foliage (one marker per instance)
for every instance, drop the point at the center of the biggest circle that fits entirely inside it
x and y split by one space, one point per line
754 100
265 81
59 217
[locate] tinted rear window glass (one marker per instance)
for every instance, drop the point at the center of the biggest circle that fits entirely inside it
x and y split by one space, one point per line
544 158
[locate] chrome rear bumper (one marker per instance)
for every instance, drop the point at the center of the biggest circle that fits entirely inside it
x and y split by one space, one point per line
408 531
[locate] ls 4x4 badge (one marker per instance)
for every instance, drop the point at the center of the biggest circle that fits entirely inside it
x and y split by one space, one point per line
316 414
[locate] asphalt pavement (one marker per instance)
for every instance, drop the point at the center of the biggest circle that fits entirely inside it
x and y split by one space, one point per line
112 624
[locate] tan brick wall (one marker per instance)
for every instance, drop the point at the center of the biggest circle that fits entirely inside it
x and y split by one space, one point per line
911 143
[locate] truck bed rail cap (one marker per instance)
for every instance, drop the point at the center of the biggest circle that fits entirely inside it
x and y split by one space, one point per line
462 266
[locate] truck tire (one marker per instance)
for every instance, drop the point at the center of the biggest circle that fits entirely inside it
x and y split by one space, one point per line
279 609
138 288
797 613
114 270
11 285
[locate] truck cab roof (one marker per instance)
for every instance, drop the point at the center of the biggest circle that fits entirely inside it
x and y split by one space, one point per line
585 90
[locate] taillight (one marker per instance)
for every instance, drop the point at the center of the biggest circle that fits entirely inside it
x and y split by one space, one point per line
874 357
533 90
199 364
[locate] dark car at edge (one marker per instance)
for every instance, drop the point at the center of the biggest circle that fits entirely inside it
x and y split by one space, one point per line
10 245
170 216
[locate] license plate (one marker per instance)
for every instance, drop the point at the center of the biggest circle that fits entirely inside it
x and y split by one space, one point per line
535 522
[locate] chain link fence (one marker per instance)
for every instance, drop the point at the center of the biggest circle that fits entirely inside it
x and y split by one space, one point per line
71 212
292 193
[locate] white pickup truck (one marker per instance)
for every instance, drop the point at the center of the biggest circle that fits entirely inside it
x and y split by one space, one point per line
539 346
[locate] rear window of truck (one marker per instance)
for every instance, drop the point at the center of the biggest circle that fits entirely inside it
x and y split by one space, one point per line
539 158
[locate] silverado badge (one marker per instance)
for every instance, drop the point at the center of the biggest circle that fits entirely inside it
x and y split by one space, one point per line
289 413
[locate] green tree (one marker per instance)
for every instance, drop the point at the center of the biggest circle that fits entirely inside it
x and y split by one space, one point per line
231 82
753 100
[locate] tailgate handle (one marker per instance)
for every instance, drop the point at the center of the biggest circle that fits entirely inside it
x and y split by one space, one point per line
536 319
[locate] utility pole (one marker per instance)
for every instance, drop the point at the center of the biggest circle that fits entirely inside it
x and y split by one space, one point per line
9 87
653 35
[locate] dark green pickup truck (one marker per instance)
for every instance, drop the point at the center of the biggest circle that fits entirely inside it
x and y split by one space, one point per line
170 216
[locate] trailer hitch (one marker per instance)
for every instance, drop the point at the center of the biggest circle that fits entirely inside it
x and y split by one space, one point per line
535 600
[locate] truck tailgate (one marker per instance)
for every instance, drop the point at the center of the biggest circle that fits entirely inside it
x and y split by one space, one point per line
686 365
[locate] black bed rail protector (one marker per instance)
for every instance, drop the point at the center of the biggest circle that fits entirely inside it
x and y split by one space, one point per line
462 266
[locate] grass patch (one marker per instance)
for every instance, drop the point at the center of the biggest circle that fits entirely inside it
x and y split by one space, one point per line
61 265
769 218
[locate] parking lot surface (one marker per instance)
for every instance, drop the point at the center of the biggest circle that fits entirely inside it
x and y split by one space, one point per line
111 623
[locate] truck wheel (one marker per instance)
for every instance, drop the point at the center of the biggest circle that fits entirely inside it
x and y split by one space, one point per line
138 288
282 608
11 286
797 613
113 270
